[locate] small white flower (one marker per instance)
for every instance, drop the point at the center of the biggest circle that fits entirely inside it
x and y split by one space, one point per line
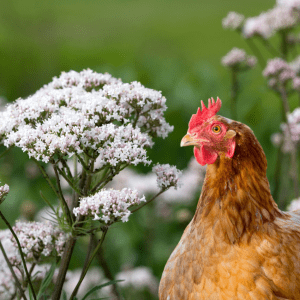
109 205
167 176
294 205
233 21
278 71
238 58
138 278
39 238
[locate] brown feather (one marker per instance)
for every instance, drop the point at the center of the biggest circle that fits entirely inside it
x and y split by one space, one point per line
239 245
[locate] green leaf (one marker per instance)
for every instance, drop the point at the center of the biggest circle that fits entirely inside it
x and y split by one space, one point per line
94 289
30 294
47 280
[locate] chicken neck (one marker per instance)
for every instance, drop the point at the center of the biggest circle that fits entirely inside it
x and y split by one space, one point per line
236 200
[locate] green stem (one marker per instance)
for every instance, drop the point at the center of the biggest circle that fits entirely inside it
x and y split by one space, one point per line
18 284
270 48
89 263
106 269
61 197
47 177
85 167
257 53
294 162
65 261
21 253
87 257
159 193
69 181
65 165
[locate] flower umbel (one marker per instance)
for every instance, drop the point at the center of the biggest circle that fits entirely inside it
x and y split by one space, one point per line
109 205
167 176
237 58
37 238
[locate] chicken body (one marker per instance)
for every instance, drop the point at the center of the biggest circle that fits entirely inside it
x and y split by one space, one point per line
239 245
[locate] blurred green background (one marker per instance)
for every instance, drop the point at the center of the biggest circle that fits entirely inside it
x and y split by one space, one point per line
170 45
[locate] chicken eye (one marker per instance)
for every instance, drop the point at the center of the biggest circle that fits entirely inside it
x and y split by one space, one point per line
216 129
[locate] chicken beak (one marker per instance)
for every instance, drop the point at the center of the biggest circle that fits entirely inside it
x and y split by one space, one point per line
187 140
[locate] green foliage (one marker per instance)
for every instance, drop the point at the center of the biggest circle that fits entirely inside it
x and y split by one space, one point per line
46 282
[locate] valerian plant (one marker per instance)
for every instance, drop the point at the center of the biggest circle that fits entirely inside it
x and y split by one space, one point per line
88 127
281 69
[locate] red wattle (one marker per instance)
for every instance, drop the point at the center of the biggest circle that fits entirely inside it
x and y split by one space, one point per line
204 156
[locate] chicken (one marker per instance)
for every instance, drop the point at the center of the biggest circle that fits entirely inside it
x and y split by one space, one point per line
239 245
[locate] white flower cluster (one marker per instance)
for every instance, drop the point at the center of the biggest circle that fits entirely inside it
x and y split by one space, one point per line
86 110
167 176
233 21
109 205
4 190
294 124
294 205
289 3
7 283
139 278
281 139
37 238
278 71
266 24
238 58
86 79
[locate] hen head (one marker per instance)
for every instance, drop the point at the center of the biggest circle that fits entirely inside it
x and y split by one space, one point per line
210 134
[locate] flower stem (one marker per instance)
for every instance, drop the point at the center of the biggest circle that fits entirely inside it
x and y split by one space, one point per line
18 284
257 53
294 162
61 197
21 253
159 193
47 177
85 264
84 271
106 269
65 260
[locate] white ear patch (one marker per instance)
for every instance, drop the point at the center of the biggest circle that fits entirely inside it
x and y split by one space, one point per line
229 121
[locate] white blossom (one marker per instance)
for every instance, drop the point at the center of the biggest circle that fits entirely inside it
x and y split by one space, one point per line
294 205
86 111
295 64
4 190
238 58
37 238
267 23
109 205
276 139
278 71
167 176
233 21
138 278
289 3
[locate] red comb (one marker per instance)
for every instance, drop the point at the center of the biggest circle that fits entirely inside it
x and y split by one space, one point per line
206 113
